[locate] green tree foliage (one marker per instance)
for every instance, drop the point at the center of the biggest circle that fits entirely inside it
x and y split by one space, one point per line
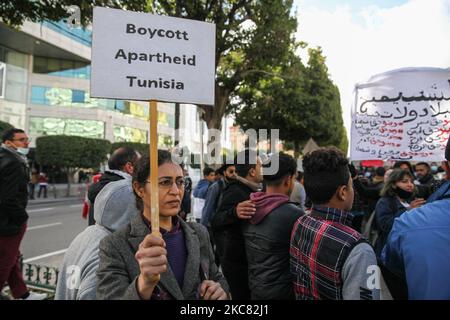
15 12
71 153
5 126
324 100
299 100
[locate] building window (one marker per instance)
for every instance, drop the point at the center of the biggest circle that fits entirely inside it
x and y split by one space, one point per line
38 95
119 105
61 68
63 97
78 96
72 127
2 79
14 75
127 134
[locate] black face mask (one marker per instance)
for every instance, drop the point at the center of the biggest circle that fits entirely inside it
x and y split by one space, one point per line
403 194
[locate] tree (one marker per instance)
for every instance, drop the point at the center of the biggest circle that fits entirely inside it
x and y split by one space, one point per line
5 126
15 12
299 100
323 98
71 153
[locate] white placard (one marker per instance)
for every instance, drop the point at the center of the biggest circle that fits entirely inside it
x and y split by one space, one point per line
402 115
139 56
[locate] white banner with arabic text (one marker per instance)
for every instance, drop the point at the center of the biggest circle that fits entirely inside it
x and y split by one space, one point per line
402 115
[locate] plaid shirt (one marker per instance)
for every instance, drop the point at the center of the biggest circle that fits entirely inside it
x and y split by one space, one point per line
320 244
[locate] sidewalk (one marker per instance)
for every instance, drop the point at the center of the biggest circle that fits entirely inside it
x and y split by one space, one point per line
38 201
58 193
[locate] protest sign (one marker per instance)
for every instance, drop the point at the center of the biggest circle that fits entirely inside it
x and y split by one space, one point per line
139 56
402 115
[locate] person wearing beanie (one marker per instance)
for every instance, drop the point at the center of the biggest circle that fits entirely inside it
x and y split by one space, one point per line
417 247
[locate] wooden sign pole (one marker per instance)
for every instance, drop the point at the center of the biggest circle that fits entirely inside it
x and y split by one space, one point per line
154 198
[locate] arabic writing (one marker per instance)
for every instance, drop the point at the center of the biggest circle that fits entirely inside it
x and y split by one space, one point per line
401 127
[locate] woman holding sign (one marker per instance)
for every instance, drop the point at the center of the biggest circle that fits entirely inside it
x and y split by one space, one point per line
178 265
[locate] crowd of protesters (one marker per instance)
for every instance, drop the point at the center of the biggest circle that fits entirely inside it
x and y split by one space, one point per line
325 230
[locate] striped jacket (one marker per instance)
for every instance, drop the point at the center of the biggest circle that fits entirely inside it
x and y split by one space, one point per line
320 244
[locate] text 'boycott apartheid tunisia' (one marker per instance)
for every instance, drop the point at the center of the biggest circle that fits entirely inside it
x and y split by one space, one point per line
139 56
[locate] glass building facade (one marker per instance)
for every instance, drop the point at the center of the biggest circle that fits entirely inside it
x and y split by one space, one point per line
61 68
83 36
122 134
40 126
14 75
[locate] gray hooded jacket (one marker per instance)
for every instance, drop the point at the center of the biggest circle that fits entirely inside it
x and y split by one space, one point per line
114 207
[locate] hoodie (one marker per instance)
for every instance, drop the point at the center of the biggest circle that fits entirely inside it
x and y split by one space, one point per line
267 242
265 203
201 189
200 192
115 206
95 188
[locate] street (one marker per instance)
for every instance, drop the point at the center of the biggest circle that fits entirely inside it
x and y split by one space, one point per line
52 226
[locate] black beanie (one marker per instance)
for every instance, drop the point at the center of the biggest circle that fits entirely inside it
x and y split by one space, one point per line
447 150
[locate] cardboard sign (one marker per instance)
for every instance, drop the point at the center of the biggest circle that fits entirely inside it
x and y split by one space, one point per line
402 115
139 56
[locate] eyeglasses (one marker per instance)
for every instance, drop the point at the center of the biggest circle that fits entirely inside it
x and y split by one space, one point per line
22 139
167 183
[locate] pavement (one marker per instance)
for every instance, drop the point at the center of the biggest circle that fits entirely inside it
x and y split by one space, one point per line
52 225
58 193
51 200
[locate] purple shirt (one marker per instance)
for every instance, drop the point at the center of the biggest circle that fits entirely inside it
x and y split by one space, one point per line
176 248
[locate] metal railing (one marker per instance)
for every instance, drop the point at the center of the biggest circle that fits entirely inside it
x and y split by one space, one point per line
39 276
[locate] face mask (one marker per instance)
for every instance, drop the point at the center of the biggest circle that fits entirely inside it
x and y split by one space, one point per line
403 194
434 168
23 151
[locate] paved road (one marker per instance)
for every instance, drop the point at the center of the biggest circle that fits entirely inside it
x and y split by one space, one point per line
51 228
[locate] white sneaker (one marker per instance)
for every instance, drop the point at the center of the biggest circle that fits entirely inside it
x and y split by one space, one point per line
36 296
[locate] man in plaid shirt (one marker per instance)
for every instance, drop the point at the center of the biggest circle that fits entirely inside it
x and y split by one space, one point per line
329 259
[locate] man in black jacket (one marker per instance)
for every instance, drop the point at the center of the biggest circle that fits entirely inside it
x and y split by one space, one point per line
267 234
121 166
226 223
14 178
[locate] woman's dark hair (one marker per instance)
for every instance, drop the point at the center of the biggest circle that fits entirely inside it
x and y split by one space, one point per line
141 172
287 166
325 170
395 176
